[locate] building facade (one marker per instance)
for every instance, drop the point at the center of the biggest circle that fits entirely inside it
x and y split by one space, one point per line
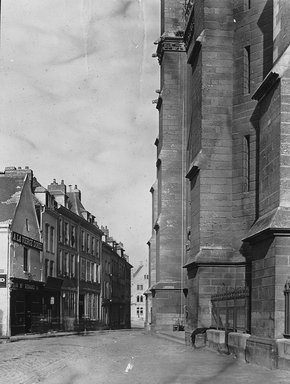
225 84
21 248
139 291
116 284
51 260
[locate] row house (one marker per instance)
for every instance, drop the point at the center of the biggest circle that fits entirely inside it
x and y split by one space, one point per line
116 284
51 257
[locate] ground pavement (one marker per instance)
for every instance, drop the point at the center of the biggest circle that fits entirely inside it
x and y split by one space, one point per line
119 357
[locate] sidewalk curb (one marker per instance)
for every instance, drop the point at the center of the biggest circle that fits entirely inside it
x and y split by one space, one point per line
170 337
37 336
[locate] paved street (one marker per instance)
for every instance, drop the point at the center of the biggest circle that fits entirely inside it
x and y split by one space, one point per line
119 357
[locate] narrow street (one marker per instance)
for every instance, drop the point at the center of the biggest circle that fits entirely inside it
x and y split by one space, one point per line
118 357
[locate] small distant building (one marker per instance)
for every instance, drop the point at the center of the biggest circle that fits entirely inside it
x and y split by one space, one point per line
139 285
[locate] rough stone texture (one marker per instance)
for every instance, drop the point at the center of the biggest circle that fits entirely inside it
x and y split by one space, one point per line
236 130
167 258
216 340
283 347
237 344
261 351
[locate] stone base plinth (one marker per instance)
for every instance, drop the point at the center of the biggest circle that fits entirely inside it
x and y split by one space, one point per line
261 351
237 343
216 340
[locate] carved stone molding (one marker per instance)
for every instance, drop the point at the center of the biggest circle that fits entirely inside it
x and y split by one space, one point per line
172 42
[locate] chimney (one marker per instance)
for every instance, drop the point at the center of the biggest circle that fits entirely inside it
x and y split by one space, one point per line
58 191
106 232
78 192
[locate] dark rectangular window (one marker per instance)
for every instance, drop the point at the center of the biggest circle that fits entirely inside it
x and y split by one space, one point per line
246 162
247 70
51 241
47 237
66 233
51 264
25 259
72 265
59 263
60 230
73 236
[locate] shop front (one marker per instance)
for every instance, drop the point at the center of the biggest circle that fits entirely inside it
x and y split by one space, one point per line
26 310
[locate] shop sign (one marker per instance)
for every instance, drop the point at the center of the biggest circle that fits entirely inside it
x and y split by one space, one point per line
27 241
26 286
3 281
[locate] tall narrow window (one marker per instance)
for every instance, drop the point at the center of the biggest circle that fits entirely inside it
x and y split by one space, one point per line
66 233
72 265
51 267
66 263
83 269
60 230
73 236
59 263
47 237
83 240
247 70
88 243
51 241
25 259
246 163
88 271
92 272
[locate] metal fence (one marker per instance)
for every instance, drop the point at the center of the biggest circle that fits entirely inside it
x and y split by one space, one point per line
230 310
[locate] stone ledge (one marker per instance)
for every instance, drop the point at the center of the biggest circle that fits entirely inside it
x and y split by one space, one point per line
237 343
283 347
261 351
215 340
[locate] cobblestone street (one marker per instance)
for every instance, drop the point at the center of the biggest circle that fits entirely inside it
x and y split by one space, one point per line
119 357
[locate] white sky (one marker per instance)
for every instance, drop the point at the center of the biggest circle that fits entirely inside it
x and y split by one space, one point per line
77 79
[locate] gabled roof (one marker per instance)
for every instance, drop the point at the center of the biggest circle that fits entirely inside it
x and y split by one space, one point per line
10 191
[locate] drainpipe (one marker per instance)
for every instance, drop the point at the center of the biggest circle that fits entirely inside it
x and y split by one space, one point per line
78 274
8 326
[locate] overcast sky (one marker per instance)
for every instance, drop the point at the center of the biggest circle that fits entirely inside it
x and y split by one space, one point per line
77 81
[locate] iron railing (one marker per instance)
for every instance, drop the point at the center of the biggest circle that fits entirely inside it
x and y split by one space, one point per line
230 310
